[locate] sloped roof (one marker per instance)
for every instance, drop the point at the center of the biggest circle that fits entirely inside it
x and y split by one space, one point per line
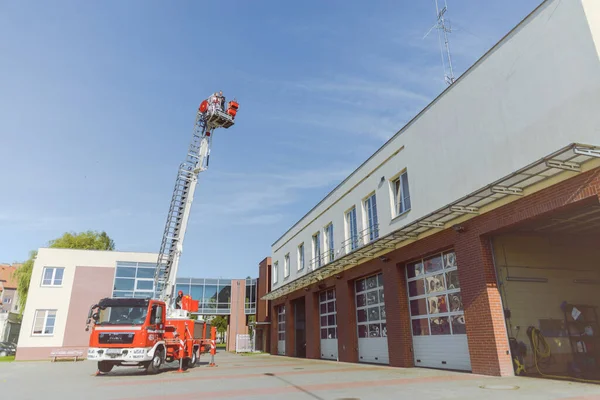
7 275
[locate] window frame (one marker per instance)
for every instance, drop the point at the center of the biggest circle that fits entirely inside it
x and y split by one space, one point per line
316 250
370 215
449 266
301 256
275 274
53 278
45 323
350 222
329 242
286 266
397 191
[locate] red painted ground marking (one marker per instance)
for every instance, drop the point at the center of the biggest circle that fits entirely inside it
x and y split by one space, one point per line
313 388
238 376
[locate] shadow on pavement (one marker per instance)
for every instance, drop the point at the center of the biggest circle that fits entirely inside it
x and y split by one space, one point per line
314 396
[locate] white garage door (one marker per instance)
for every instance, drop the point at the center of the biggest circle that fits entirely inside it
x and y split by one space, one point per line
437 314
329 343
370 319
281 330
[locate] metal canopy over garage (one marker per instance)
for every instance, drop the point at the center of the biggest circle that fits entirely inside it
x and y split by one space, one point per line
570 158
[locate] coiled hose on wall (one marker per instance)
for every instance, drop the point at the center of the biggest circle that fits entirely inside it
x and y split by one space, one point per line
542 355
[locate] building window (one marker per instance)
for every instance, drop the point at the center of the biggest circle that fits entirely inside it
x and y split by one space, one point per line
43 323
52 276
275 271
286 265
7 300
281 323
401 194
351 229
250 307
435 302
133 279
301 257
316 247
213 295
370 307
371 214
329 255
328 314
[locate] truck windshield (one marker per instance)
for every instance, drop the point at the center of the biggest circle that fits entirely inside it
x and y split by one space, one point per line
122 315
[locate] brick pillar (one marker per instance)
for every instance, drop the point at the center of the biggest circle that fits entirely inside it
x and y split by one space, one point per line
398 318
313 327
290 329
346 322
273 329
484 316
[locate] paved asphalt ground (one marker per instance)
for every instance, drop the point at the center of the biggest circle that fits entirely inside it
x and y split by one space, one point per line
272 377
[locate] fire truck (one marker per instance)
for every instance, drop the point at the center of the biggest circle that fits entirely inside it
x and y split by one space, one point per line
148 332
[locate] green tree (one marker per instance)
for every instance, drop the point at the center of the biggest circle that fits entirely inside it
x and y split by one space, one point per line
90 240
220 322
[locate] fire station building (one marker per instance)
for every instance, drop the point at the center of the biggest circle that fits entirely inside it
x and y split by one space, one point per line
479 219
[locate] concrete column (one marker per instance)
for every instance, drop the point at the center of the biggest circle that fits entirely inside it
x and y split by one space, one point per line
484 315
398 317
346 311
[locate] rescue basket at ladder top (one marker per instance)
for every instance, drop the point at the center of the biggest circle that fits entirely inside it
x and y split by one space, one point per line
216 116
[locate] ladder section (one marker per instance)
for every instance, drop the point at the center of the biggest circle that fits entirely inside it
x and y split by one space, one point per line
179 209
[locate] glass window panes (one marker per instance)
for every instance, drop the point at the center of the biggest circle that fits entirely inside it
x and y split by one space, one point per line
125 272
52 276
328 316
147 273
134 279
44 321
281 323
144 285
435 301
370 307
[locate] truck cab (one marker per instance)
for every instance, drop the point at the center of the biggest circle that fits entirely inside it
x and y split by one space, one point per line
127 331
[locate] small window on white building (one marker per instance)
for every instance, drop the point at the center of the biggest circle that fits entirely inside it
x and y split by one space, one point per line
275 271
401 194
316 248
286 265
301 257
351 229
330 253
52 276
371 215
43 323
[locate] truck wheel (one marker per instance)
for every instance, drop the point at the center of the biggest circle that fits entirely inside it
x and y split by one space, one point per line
156 362
105 367
191 362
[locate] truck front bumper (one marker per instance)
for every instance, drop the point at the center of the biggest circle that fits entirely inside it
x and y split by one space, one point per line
128 355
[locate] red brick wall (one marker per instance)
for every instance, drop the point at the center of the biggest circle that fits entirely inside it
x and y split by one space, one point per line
488 343
263 286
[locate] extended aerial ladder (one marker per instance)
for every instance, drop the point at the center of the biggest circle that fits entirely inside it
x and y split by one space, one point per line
210 116
150 331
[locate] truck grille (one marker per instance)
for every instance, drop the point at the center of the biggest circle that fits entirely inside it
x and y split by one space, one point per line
115 338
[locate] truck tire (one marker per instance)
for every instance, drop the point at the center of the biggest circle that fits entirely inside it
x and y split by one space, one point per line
157 360
105 367
191 362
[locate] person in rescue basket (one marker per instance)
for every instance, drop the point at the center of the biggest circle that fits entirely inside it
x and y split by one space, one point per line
178 300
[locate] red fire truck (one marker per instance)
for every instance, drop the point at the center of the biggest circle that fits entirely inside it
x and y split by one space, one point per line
148 332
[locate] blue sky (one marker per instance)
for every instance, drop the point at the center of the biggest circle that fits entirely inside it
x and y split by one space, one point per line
98 101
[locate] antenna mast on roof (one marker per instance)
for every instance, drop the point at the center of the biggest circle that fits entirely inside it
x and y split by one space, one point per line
444 29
